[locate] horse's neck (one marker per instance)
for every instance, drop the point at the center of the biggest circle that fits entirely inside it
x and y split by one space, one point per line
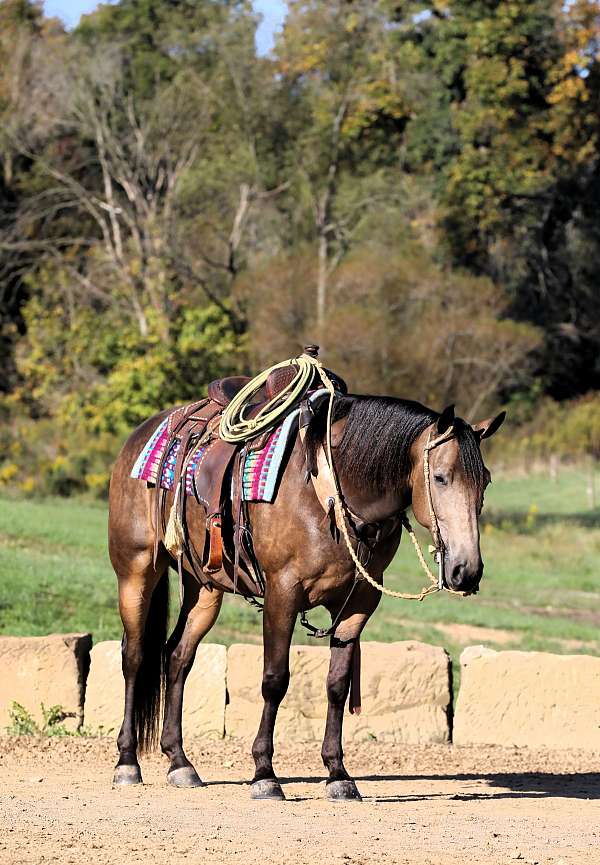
370 505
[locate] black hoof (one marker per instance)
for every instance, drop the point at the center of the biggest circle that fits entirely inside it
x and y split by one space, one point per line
268 788
185 776
126 775
339 791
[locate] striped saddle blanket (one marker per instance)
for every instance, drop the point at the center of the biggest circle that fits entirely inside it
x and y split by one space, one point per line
261 470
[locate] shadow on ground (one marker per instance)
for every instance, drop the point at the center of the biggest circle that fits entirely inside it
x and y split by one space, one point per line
500 785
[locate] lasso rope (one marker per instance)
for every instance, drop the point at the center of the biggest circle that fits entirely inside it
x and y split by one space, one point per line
234 427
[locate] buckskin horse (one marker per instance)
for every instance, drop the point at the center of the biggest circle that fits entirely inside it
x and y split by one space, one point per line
387 454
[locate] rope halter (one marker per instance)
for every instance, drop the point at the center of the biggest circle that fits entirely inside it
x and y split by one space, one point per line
438 545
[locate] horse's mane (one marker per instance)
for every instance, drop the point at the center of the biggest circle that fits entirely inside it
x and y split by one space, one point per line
377 439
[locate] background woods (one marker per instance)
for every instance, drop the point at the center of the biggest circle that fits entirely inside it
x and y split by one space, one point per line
414 185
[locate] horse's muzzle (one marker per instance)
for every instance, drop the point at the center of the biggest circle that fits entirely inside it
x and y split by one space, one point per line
463 576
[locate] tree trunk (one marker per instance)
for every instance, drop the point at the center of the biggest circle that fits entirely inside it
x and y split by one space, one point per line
322 273
591 485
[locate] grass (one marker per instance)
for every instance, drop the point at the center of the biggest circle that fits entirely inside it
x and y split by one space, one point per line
541 588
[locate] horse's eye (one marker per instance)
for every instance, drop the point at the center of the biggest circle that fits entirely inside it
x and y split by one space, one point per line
440 479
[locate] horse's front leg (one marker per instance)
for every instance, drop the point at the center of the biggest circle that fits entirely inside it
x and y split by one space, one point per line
279 617
339 783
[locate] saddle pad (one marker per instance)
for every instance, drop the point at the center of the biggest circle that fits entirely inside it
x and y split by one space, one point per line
261 468
146 466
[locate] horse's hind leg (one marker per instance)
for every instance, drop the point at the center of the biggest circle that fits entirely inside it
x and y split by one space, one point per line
143 603
198 614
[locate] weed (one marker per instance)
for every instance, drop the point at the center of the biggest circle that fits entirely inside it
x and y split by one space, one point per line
23 723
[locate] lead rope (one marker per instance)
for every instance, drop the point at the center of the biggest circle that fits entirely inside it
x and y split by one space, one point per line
436 583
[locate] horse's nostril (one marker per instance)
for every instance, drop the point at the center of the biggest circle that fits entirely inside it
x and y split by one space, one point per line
457 572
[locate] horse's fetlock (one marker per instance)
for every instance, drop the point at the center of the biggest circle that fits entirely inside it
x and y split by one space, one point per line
331 756
169 746
262 750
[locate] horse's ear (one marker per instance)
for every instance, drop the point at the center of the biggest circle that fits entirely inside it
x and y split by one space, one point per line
487 428
446 419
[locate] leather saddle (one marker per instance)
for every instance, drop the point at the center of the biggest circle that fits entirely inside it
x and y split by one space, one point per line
215 468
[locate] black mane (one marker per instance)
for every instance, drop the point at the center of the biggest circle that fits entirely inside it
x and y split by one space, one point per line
378 436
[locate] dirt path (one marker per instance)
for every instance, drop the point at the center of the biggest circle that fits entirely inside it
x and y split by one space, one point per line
433 805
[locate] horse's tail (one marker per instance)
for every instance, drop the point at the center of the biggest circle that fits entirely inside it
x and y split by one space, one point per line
150 680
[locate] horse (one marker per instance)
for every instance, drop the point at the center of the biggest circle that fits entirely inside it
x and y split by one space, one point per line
378 446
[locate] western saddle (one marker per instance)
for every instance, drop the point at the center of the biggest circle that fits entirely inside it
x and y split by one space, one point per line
216 473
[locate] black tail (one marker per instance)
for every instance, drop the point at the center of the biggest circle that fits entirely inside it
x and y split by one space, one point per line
149 684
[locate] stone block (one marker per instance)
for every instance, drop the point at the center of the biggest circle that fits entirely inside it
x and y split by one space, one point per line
44 670
533 699
405 694
204 695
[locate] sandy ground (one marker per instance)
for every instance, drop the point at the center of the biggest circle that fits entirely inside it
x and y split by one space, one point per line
423 806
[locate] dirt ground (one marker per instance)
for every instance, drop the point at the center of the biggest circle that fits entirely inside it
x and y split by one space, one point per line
422 806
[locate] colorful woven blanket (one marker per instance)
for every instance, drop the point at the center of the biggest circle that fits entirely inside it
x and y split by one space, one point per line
261 471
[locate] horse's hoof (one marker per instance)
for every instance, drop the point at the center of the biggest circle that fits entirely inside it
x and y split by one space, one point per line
185 776
339 791
268 788
125 775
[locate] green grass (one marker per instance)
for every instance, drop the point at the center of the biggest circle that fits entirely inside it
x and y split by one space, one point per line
541 588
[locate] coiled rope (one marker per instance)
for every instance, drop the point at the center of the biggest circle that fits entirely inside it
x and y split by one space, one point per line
234 427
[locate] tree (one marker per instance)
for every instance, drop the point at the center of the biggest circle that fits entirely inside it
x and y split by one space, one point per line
348 96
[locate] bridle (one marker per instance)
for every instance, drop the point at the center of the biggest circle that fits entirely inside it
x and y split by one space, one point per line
438 548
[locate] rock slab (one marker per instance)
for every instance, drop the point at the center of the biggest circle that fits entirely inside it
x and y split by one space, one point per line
44 671
528 699
204 696
405 687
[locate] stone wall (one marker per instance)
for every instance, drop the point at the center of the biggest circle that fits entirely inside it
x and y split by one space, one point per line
203 705
405 694
506 698
49 671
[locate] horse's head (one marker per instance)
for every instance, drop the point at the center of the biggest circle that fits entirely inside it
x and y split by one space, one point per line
456 477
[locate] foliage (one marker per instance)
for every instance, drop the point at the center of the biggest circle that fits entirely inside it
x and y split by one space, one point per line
568 431
412 185
22 722
64 390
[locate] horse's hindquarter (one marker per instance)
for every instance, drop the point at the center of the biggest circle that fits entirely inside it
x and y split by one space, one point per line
130 501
